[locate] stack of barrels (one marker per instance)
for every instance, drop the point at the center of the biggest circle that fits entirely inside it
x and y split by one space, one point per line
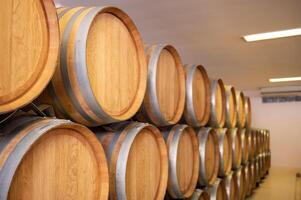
88 112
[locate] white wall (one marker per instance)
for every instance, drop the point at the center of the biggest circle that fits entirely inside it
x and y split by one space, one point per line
284 122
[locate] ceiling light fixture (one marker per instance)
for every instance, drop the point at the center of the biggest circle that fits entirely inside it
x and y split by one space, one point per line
274 80
272 35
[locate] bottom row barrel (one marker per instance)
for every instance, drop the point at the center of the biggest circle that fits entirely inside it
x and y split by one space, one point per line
51 159
43 158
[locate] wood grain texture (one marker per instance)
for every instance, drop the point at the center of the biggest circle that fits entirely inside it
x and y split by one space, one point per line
66 162
240 109
168 87
251 178
247 178
233 190
227 157
29 50
231 115
211 156
218 100
236 143
245 145
146 166
111 66
241 182
168 82
248 111
198 89
187 165
218 104
231 187
221 192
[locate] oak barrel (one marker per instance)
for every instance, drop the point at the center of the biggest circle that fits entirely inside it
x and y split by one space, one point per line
199 194
225 151
231 187
268 161
217 191
240 109
250 143
51 159
251 178
236 147
209 155
262 166
101 77
138 160
257 170
197 104
28 50
164 100
231 114
248 112
218 104
183 152
241 182
244 145
257 138
246 174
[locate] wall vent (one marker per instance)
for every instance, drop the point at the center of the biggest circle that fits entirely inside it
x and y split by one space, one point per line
281 94
280 99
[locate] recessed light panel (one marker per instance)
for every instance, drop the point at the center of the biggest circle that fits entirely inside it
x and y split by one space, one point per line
273 35
274 80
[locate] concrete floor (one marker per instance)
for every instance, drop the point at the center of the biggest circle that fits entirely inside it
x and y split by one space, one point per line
280 184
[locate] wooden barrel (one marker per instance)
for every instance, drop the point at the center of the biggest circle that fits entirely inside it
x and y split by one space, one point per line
248 112
257 142
101 77
29 50
231 187
262 135
197 104
262 165
51 159
209 155
240 109
257 170
251 178
245 173
268 140
217 191
249 137
244 145
266 163
164 100
252 139
240 178
225 151
268 160
231 115
138 161
218 104
183 153
199 194
236 147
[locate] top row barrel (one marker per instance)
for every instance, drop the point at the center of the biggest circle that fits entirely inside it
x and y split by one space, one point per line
98 72
28 50
101 77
